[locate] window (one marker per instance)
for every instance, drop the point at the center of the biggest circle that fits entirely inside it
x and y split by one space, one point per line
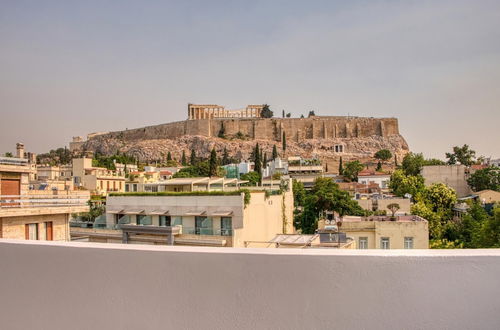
176 221
165 220
363 243
48 231
31 231
384 243
408 242
144 220
226 226
134 187
127 188
203 226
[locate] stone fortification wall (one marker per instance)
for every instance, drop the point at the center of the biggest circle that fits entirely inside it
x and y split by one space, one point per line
295 129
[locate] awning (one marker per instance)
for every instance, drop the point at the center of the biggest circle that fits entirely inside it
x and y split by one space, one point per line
222 213
158 212
133 211
196 213
114 211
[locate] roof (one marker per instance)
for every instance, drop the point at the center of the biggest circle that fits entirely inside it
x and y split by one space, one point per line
372 173
478 166
165 173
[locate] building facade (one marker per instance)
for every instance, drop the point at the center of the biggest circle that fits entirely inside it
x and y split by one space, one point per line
404 232
33 214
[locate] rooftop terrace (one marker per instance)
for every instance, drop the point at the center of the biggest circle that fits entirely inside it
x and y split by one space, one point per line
108 286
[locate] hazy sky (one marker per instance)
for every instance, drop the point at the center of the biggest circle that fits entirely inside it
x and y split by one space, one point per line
69 68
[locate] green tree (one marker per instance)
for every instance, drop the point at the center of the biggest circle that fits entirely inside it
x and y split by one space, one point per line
9 154
325 195
225 157
264 161
393 207
352 169
288 115
402 184
383 155
412 164
299 193
341 168
284 142
283 113
266 112
311 113
490 231
183 158
433 161
301 116
275 152
213 163
193 160
379 166
441 197
252 177
257 160
461 155
487 178
169 156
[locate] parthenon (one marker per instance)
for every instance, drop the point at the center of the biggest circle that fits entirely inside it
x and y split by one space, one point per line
209 111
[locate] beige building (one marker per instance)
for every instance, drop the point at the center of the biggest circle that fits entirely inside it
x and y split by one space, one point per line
454 176
209 111
32 214
98 180
212 218
406 232
488 196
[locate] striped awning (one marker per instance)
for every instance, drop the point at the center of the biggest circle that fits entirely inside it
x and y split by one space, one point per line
222 213
133 211
158 212
196 213
115 211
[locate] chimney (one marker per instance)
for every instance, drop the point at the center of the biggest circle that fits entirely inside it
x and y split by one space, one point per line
20 150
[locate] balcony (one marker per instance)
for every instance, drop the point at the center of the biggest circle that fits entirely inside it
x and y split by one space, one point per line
114 286
35 204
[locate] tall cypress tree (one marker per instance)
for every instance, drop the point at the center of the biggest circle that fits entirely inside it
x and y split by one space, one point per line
169 156
341 168
212 169
225 157
284 141
275 152
257 160
183 158
264 162
193 159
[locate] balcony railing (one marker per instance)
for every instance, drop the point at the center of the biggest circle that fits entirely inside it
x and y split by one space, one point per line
207 231
33 201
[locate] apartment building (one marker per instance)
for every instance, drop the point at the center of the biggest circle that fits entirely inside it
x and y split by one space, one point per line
383 232
367 177
98 180
34 214
192 217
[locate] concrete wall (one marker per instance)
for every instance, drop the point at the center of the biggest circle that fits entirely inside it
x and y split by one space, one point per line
454 176
92 286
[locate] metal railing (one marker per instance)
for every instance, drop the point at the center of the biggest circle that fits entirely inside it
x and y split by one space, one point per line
27 201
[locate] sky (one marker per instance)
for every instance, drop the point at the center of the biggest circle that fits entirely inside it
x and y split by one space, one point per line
69 68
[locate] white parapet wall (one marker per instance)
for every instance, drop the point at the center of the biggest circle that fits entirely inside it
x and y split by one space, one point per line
47 285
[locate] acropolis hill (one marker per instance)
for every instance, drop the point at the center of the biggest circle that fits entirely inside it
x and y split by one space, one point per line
326 137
